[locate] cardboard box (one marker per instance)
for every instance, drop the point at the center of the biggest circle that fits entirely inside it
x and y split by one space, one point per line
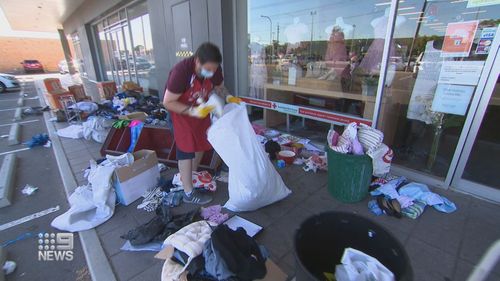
134 116
130 182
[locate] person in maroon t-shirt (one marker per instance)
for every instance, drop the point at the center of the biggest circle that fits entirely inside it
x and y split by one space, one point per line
189 85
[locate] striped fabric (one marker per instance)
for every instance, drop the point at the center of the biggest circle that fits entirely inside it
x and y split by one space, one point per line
343 145
369 137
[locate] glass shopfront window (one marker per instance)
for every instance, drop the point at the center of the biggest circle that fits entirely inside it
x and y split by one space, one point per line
321 56
321 60
78 62
436 60
126 47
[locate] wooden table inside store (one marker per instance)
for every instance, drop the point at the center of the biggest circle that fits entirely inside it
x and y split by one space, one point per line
285 93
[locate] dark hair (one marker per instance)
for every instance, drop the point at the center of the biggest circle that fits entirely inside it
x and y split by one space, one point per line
208 52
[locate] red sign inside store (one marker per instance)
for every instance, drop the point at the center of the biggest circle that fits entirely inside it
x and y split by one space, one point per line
306 112
331 116
261 103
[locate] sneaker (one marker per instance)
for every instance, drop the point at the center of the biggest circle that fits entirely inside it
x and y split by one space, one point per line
197 197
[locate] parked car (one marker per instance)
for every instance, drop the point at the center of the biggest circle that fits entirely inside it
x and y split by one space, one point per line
32 66
141 63
63 67
8 81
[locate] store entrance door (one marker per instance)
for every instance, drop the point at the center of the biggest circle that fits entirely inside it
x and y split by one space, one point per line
479 165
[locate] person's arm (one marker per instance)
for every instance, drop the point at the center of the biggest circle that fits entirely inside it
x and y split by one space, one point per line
172 103
222 91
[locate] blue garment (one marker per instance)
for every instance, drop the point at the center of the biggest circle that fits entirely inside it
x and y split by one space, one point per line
173 199
135 132
374 208
419 191
214 264
389 189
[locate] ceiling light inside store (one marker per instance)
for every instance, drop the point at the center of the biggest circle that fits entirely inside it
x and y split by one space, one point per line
406 8
387 3
459 1
412 13
436 23
476 12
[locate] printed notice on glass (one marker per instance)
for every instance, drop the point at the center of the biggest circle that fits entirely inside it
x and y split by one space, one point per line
452 99
485 40
459 38
461 72
480 3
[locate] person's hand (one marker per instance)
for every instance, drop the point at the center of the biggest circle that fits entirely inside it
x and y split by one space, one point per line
201 111
233 99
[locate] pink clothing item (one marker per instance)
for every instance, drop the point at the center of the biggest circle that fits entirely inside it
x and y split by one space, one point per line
213 214
357 148
134 123
336 50
373 58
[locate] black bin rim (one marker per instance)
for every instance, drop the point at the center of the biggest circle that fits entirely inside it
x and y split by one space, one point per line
398 244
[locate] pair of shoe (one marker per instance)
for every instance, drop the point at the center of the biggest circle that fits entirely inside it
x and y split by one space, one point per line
390 206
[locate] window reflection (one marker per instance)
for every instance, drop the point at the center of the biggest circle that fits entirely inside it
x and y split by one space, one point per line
318 54
126 47
437 34
78 62
326 55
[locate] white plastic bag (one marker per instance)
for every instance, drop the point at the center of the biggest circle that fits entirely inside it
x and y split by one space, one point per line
72 132
381 159
91 204
358 266
253 180
96 128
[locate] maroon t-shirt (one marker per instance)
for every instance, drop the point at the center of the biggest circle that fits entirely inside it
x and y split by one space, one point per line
180 76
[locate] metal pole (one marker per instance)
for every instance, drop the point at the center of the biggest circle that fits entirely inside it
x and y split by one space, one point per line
352 40
270 37
312 30
422 13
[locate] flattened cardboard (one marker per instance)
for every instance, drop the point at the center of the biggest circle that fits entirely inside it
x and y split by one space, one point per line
274 273
165 253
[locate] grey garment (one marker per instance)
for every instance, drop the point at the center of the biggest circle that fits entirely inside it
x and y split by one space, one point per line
214 264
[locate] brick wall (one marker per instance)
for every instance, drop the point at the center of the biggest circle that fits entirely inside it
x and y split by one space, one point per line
14 50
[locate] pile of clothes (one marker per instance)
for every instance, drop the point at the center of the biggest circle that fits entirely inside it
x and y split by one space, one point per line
307 154
130 101
156 230
396 196
200 251
95 128
362 139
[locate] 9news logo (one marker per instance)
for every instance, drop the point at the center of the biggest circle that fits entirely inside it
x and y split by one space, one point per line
55 246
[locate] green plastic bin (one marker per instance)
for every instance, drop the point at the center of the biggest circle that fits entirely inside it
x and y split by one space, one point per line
349 176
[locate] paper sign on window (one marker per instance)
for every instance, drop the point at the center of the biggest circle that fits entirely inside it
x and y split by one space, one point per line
459 38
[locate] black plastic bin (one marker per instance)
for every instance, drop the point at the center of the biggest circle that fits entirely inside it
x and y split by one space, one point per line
321 239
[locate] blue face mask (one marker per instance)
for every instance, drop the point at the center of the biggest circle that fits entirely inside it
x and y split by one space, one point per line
206 73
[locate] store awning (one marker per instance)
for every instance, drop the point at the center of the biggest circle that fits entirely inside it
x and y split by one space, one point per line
38 15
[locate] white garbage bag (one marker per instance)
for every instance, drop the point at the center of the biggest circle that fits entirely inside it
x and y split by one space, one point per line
381 159
72 132
90 205
358 266
95 128
253 180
